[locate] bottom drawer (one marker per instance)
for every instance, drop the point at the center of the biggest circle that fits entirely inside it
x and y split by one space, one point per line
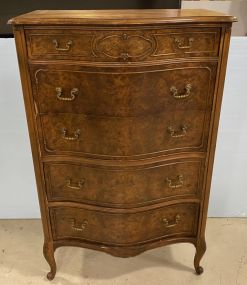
124 228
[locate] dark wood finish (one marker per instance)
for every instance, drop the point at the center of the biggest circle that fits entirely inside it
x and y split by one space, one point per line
124 45
124 93
124 137
123 124
121 17
121 187
124 228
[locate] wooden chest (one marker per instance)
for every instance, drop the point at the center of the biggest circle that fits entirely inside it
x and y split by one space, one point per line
123 109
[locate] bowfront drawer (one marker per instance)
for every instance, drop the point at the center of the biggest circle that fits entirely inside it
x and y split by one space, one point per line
124 92
121 187
122 137
122 45
124 228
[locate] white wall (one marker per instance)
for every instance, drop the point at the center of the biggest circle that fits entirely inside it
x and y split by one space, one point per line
18 198
229 187
237 8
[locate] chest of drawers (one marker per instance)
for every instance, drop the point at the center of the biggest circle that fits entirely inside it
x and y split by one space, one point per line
123 109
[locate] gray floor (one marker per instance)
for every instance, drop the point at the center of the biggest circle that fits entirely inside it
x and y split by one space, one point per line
225 262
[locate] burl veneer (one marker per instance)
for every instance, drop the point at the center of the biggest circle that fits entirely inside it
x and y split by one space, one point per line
123 110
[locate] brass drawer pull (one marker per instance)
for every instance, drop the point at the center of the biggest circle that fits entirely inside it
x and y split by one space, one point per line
179 184
178 134
67 45
80 227
74 138
176 95
169 224
77 185
73 93
179 43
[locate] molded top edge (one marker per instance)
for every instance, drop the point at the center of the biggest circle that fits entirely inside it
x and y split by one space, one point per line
118 17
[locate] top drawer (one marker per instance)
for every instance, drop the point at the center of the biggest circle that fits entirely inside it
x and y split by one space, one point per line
122 45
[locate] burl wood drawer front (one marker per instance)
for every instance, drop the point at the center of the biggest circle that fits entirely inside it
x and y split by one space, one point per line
124 136
124 228
122 45
120 187
121 92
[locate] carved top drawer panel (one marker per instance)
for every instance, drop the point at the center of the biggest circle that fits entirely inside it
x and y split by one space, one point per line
121 45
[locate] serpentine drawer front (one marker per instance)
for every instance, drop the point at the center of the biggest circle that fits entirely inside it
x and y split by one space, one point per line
124 137
123 110
187 86
131 187
124 228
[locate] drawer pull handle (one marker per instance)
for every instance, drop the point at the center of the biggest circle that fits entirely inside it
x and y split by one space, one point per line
73 93
177 134
176 94
80 227
68 138
179 43
77 185
170 224
67 45
172 183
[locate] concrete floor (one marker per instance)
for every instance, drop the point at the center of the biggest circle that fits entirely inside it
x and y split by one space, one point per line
225 262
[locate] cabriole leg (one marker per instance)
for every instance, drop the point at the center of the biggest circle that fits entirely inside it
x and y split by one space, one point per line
200 250
48 251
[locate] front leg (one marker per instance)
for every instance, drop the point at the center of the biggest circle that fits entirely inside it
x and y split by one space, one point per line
48 251
200 250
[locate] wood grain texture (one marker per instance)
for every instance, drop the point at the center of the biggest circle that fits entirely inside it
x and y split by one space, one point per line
120 17
121 92
130 45
119 187
123 110
151 135
124 228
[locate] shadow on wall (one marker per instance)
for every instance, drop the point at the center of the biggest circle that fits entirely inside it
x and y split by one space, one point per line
237 8
243 14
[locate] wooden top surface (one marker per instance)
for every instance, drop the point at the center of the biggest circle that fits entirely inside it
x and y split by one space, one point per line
118 17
